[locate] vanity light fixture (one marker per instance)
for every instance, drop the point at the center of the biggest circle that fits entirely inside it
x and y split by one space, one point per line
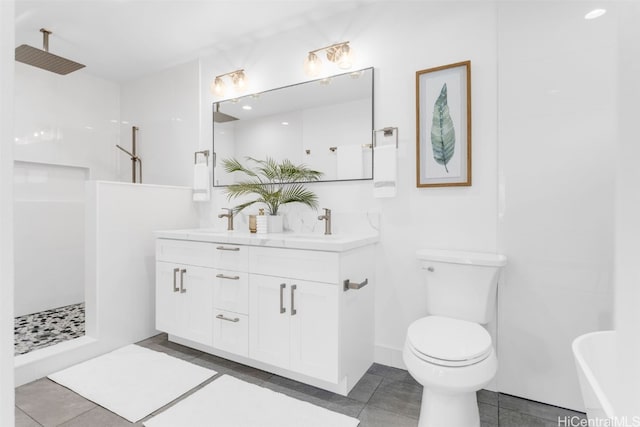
340 53
238 79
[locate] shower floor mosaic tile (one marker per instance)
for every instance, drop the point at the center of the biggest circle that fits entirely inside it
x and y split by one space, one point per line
49 327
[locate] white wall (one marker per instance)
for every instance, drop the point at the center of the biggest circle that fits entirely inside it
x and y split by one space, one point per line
548 207
164 107
627 231
557 130
6 213
48 236
454 218
120 270
67 120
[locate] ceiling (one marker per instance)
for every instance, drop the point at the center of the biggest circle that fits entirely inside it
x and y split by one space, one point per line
120 40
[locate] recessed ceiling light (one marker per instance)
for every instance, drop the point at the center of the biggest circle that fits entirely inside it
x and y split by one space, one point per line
595 13
285 123
246 107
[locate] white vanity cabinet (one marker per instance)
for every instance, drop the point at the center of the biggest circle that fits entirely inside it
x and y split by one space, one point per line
183 301
277 305
294 302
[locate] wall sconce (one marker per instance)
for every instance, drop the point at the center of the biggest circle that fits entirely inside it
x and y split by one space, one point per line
238 79
339 53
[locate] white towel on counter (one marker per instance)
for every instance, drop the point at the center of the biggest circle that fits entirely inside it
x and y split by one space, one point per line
349 161
385 170
201 183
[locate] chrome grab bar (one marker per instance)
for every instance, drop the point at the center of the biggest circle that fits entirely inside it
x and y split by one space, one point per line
347 284
224 248
221 317
222 276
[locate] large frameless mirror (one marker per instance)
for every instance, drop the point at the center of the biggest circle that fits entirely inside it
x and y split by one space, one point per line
325 124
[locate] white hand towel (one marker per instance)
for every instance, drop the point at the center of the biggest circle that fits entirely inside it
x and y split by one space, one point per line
201 183
349 161
385 170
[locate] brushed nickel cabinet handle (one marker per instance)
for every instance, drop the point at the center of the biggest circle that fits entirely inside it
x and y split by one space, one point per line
234 320
293 309
347 284
282 309
175 279
182 288
224 248
222 276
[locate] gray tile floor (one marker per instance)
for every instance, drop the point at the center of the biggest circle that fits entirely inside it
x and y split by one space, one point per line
385 397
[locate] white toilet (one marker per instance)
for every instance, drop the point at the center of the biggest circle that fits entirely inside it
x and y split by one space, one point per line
449 352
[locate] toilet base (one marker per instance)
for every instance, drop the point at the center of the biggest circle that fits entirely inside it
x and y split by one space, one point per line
448 410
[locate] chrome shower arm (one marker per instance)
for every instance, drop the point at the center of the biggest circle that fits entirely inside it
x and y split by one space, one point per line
130 155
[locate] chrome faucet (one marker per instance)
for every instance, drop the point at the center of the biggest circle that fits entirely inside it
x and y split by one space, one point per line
229 216
327 220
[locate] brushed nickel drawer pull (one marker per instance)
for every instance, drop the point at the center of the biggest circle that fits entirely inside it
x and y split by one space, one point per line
234 320
224 248
282 309
222 276
293 308
182 288
352 285
175 279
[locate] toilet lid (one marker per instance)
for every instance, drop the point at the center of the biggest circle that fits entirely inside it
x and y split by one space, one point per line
449 340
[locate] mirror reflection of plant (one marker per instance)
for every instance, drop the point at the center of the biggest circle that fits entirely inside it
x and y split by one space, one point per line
275 183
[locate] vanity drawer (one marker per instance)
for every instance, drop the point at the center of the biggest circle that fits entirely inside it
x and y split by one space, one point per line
231 332
185 252
230 257
315 266
231 291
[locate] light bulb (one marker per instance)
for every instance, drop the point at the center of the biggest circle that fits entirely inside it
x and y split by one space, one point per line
345 57
239 81
312 65
595 13
218 86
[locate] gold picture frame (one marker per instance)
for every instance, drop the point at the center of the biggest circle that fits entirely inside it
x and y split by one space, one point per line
443 126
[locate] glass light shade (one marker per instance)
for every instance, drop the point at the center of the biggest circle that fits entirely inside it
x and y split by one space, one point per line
312 65
240 82
345 57
218 87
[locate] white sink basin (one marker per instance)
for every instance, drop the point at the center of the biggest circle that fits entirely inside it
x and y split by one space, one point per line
313 241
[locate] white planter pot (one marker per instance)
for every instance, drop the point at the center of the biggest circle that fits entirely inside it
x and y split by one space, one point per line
274 223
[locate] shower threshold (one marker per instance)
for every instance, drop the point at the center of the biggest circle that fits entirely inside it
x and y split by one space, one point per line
46 328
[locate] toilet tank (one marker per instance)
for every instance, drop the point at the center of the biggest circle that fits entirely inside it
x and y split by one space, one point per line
460 284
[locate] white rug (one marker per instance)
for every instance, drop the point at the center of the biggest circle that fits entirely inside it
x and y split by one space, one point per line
229 402
132 381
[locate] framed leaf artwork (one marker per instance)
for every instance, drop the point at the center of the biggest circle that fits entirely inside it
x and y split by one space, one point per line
443 126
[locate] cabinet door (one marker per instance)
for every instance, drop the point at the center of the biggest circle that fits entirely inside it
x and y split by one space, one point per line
167 299
314 329
269 324
196 304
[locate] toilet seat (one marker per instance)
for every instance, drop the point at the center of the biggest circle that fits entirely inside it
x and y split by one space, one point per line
448 342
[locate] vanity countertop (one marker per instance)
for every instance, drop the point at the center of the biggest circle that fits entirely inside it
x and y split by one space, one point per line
311 241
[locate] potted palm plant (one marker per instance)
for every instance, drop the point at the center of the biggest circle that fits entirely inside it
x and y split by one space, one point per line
274 183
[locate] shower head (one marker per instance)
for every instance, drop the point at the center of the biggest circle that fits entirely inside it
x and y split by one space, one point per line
41 58
219 117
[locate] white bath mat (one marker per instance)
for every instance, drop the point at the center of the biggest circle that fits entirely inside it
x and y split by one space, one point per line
132 381
230 402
